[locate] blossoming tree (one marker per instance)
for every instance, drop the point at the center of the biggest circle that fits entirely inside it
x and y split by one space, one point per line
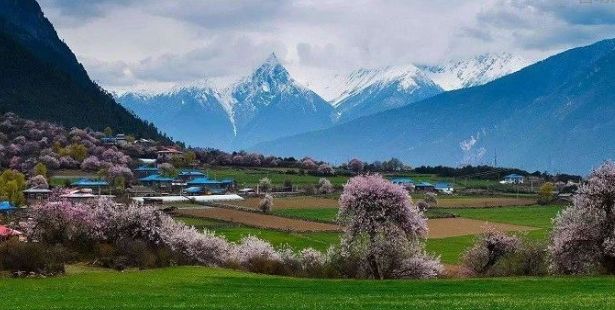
384 231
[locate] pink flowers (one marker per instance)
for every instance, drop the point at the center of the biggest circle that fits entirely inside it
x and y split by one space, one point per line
383 231
583 234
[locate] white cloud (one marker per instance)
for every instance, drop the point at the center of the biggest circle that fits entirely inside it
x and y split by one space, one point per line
129 43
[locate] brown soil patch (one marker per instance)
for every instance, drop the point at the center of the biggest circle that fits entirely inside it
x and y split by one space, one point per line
292 202
438 228
258 220
453 227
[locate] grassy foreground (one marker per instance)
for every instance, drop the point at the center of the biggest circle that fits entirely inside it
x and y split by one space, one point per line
199 288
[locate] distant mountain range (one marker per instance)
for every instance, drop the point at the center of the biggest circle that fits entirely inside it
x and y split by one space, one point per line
42 79
556 115
266 105
270 104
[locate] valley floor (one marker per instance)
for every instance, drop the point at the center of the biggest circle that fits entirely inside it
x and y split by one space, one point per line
210 288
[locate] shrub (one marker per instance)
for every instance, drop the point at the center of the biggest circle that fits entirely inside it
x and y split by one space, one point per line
488 250
266 204
530 259
31 257
431 199
38 181
264 185
257 255
545 193
40 169
324 186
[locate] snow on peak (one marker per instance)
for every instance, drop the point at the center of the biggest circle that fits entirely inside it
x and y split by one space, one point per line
407 77
474 71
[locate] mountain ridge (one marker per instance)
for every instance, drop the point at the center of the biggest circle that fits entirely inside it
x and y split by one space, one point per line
42 79
529 117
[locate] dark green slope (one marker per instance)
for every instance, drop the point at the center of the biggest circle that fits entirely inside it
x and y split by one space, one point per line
40 77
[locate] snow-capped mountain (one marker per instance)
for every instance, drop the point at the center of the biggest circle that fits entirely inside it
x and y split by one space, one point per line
474 71
527 116
270 103
266 105
369 91
195 114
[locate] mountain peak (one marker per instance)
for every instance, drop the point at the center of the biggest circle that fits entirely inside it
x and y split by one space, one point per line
271 71
272 59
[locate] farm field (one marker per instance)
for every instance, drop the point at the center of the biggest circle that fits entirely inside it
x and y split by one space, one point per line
438 228
296 240
210 288
251 176
258 220
449 248
298 202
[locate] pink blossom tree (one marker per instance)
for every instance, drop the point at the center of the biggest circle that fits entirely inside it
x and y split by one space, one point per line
325 169
583 237
91 164
355 165
384 232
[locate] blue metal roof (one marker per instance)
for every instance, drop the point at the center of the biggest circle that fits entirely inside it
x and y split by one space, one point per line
146 168
191 173
6 205
193 189
424 184
88 182
402 180
156 178
513 176
443 185
204 181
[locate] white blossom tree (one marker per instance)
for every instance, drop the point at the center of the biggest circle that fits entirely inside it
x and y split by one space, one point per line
384 232
583 238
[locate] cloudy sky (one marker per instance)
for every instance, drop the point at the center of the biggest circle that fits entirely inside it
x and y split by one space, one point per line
134 44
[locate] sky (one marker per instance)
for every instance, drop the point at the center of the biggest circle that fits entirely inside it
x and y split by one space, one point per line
154 44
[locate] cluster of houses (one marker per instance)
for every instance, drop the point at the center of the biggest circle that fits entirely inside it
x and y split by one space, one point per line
151 182
413 186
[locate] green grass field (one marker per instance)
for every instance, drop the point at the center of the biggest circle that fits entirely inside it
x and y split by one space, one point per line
207 288
450 249
251 176
234 232
312 214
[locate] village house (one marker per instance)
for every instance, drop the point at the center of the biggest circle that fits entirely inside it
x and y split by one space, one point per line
145 171
119 139
84 194
444 187
157 181
425 187
34 194
407 183
513 179
7 233
167 154
189 175
95 185
6 206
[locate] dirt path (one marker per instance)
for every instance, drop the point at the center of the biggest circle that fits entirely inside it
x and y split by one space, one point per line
438 228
